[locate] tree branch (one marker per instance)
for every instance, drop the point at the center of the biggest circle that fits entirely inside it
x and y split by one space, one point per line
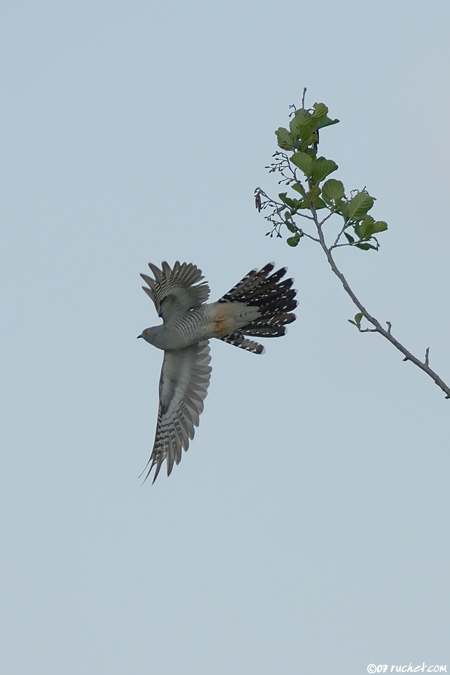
378 328
298 155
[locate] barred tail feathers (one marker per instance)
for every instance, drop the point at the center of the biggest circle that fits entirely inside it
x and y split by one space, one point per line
238 339
274 298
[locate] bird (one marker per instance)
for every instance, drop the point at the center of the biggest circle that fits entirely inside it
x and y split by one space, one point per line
259 305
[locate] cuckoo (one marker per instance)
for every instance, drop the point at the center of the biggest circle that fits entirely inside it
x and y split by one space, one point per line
258 306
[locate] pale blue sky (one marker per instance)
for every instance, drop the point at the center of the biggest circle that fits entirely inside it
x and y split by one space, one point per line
307 529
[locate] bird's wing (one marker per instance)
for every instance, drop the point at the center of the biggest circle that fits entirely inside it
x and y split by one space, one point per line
175 291
183 387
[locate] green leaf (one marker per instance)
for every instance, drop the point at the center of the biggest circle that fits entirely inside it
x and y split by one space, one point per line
368 227
292 203
365 229
332 190
293 241
319 203
380 226
291 227
320 111
322 168
366 247
358 206
303 128
308 142
349 238
284 138
342 208
299 122
313 197
327 122
304 162
358 318
299 188
321 115
313 193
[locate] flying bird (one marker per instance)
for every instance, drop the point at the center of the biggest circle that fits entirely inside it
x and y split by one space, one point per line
258 306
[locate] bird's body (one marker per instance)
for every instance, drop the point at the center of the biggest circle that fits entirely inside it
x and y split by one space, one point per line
212 320
259 305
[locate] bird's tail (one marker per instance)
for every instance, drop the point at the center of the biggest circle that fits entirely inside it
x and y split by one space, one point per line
274 298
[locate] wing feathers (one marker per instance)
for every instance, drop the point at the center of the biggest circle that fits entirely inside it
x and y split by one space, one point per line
183 387
175 291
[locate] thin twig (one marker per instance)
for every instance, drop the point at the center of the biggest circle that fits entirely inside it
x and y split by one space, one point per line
341 232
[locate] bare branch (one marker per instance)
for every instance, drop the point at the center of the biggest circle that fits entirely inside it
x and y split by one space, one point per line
378 328
303 97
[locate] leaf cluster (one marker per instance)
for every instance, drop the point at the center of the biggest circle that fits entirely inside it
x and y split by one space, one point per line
307 175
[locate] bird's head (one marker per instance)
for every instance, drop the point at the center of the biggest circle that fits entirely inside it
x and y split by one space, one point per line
149 334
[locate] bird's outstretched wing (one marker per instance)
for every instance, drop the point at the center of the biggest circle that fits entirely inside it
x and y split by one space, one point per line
183 387
175 291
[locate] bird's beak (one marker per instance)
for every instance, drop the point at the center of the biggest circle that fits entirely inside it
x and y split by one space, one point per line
139 336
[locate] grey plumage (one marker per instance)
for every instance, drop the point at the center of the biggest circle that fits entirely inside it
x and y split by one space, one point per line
258 306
